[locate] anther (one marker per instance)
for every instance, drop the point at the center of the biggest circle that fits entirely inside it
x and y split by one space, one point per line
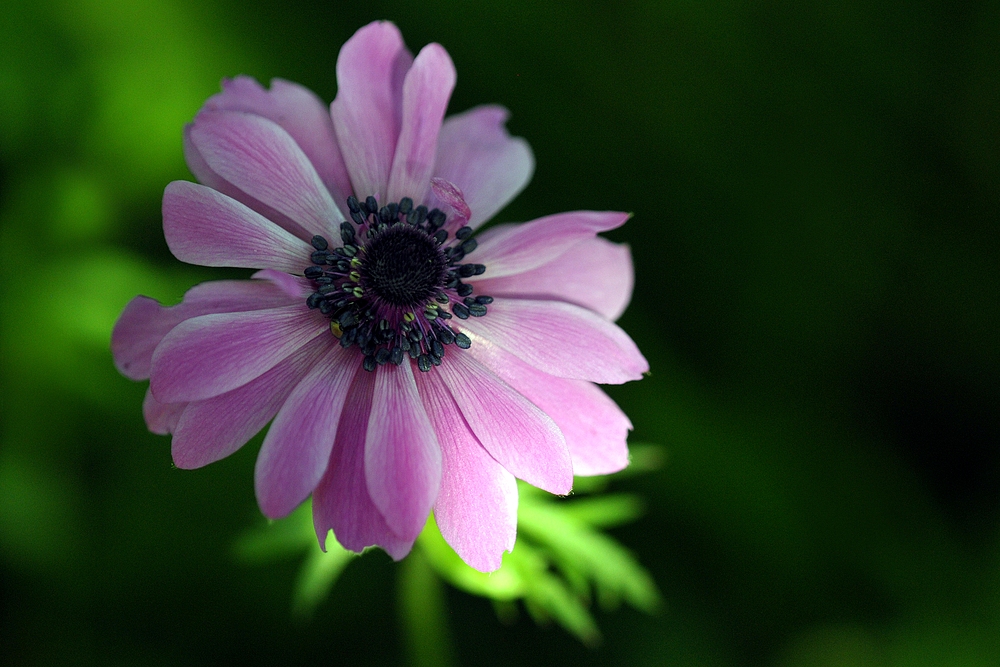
319 242
463 233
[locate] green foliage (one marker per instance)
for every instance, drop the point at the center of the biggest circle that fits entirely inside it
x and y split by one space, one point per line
560 560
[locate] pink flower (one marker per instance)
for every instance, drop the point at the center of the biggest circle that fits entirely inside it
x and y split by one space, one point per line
400 377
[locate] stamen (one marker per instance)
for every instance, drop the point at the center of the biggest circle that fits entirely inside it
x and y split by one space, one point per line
394 284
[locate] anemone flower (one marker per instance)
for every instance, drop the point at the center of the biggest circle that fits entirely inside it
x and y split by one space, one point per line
409 365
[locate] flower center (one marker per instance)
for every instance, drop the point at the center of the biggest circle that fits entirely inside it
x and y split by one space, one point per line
404 266
395 283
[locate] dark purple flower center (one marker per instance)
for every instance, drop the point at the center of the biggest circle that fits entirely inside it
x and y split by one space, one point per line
395 283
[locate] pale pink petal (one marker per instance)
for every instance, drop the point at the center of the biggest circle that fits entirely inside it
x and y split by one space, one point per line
216 427
144 322
402 454
161 418
257 156
522 438
296 449
367 112
295 287
341 501
511 249
476 509
595 273
451 195
561 339
209 355
594 427
476 153
196 163
426 90
302 114
205 227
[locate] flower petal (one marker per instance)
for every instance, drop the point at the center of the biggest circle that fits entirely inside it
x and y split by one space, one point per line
257 156
367 111
205 227
209 355
594 427
476 153
300 113
216 427
161 418
144 322
522 438
402 454
426 91
511 249
561 339
296 449
341 501
476 509
594 273
204 174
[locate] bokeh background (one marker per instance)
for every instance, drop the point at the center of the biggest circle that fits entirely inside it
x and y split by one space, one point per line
816 188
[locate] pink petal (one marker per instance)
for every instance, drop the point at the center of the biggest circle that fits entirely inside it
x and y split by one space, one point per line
296 449
341 501
522 438
510 249
476 509
295 287
196 163
300 113
368 109
452 196
144 322
161 418
205 227
209 355
594 427
402 454
476 153
426 90
257 156
216 427
561 339
594 273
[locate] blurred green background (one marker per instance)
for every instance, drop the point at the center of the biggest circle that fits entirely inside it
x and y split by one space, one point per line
816 191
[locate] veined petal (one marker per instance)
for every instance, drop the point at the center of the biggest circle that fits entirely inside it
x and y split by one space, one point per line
204 174
205 227
476 509
144 322
476 153
594 427
522 438
511 249
161 418
367 112
296 449
257 156
214 428
209 355
594 273
302 114
402 454
426 91
561 339
341 501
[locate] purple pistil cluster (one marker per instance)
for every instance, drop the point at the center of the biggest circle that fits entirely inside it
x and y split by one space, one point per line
395 282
